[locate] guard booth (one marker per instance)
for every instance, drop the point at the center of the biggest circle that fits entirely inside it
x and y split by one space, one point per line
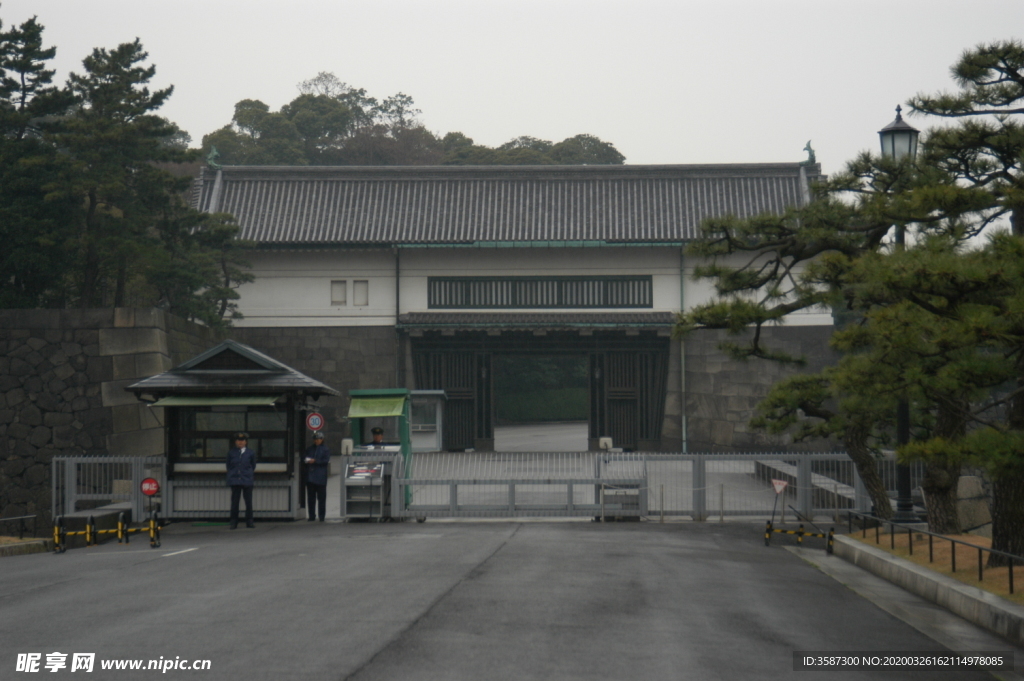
205 401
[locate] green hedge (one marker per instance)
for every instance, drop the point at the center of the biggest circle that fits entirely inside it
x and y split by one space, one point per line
554 404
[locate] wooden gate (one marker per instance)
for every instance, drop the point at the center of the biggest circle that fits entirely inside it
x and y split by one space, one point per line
627 383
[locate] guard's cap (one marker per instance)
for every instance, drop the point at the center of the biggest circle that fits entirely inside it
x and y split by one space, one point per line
318 435
377 431
241 436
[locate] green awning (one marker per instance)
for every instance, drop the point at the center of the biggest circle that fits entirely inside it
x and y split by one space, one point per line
364 407
215 401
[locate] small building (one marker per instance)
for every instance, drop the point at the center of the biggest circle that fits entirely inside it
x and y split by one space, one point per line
227 389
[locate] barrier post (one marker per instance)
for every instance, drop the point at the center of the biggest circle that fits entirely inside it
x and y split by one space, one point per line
90 531
768 533
121 534
831 540
57 547
800 535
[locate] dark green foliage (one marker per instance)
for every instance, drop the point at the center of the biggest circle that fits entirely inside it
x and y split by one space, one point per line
938 324
333 123
89 216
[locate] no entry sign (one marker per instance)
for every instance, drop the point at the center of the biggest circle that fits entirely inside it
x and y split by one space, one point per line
150 486
314 421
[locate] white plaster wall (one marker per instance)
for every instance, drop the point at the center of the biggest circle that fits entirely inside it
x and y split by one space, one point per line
293 288
419 264
698 291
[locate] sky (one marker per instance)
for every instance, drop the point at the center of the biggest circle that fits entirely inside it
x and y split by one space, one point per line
665 81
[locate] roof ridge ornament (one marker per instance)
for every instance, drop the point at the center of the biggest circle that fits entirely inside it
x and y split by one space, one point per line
811 160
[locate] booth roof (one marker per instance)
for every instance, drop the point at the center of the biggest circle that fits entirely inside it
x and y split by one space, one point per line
231 368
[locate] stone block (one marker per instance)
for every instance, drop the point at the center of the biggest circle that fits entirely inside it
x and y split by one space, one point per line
100 369
124 317
126 417
148 442
19 431
57 419
114 393
30 415
8 383
40 436
151 364
71 349
64 436
47 402
33 384
56 387
128 341
15 397
150 317
124 367
20 367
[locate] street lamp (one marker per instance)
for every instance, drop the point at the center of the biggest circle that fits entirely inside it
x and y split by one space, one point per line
899 141
898 138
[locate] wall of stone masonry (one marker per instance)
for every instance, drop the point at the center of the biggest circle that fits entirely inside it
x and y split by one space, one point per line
343 357
62 378
722 393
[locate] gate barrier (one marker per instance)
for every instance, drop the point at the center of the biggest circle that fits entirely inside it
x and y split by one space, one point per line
800 534
91 534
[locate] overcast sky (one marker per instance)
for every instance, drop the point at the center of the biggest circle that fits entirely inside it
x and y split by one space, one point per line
665 81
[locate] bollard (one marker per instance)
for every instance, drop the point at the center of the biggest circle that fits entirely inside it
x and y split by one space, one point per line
121 534
154 531
831 540
800 535
90 531
58 544
768 533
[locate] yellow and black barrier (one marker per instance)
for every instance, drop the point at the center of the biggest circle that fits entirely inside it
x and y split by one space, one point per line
800 534
91 534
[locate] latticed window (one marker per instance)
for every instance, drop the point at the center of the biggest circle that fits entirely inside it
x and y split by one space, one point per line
540 292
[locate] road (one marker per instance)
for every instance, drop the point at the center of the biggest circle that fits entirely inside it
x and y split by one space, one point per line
450 601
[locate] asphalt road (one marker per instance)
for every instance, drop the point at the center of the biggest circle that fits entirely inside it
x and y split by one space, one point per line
446 600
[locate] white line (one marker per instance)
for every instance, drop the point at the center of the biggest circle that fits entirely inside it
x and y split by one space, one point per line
179 552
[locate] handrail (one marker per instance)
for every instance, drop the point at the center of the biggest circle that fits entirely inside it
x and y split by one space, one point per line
931 535
21 525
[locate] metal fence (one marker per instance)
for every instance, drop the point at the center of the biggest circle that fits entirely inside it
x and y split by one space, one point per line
635 483
80 483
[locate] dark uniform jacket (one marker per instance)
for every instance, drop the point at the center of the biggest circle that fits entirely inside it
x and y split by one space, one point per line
317 471
241 467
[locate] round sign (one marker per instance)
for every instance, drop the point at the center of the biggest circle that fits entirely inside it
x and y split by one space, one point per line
150 486
314 421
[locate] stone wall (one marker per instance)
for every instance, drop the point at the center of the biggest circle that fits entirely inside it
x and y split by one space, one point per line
343 357
62 378
722 393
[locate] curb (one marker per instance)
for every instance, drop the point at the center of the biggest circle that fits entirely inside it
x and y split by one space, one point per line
979 607
36 546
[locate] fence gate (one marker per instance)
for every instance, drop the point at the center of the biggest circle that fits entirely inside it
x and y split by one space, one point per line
701 486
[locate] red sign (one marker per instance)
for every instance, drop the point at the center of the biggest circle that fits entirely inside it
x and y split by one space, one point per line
150 486
314 421
779 485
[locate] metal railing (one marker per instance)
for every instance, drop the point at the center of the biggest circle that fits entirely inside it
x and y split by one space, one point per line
80 483
912 530
22 526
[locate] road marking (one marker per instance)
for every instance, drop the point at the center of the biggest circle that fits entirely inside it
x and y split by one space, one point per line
179 552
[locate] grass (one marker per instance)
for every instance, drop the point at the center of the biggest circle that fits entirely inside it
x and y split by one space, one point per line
994 580
15 540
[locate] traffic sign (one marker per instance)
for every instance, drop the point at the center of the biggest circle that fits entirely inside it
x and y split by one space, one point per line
150 486
779 485
314 421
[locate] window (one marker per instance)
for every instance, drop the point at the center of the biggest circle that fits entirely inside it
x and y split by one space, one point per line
360 292
339 292
204 434
540 292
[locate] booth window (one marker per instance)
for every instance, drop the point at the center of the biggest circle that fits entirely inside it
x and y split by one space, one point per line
204 434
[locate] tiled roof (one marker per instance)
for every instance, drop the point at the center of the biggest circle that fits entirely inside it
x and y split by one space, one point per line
316 206
535 320
207 373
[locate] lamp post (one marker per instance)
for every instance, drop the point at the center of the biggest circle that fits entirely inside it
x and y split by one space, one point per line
899 141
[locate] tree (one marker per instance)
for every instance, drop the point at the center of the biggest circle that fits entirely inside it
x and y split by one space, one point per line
935 323
33 225
985 151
